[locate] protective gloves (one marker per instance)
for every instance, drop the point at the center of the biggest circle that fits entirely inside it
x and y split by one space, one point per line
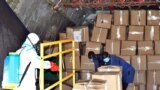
54 67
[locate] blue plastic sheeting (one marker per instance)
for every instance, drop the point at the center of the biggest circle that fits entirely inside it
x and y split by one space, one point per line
12 33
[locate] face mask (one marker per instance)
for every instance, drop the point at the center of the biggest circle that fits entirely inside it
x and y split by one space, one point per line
91 60
106 60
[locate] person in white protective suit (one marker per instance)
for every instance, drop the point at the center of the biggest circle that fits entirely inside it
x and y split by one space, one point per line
28 54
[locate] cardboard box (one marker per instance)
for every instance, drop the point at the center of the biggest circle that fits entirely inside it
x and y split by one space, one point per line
96 84
131 86
68 46
62 36
50 49
152 87
64 86
153 17
153 77
121 17
139 62
118 32
70 80
104 20
157 47
138 17
128 48
145 48
136 87
82 48
68 63
110 68
91 85
152 33
85 34
93 46
140 87
80 86
113 47
99 35
69 32
136 33
86 74
87 64
140 77
113 79
153 62
126 58
79 34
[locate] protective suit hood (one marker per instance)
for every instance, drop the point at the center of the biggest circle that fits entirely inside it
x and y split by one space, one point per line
32 39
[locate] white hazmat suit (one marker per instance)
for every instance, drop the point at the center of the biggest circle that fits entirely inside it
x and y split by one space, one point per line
27 55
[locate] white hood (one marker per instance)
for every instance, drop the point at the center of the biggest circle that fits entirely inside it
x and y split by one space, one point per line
32 39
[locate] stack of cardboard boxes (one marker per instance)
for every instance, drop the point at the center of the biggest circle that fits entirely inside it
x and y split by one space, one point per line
153 74
133 35
138 60
109 76
153 60
142 36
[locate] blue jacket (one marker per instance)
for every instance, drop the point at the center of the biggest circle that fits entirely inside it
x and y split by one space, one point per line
127 70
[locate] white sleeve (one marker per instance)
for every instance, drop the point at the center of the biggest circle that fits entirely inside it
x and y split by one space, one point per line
36 60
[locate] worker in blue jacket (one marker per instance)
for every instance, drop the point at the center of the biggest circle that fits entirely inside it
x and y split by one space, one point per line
106 59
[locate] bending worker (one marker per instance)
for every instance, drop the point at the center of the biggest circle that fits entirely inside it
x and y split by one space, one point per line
28 54
106 59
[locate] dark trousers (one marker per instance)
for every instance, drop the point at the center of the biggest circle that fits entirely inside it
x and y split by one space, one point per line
124 85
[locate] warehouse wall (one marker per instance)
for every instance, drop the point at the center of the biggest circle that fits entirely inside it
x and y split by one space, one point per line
12 33
39 17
